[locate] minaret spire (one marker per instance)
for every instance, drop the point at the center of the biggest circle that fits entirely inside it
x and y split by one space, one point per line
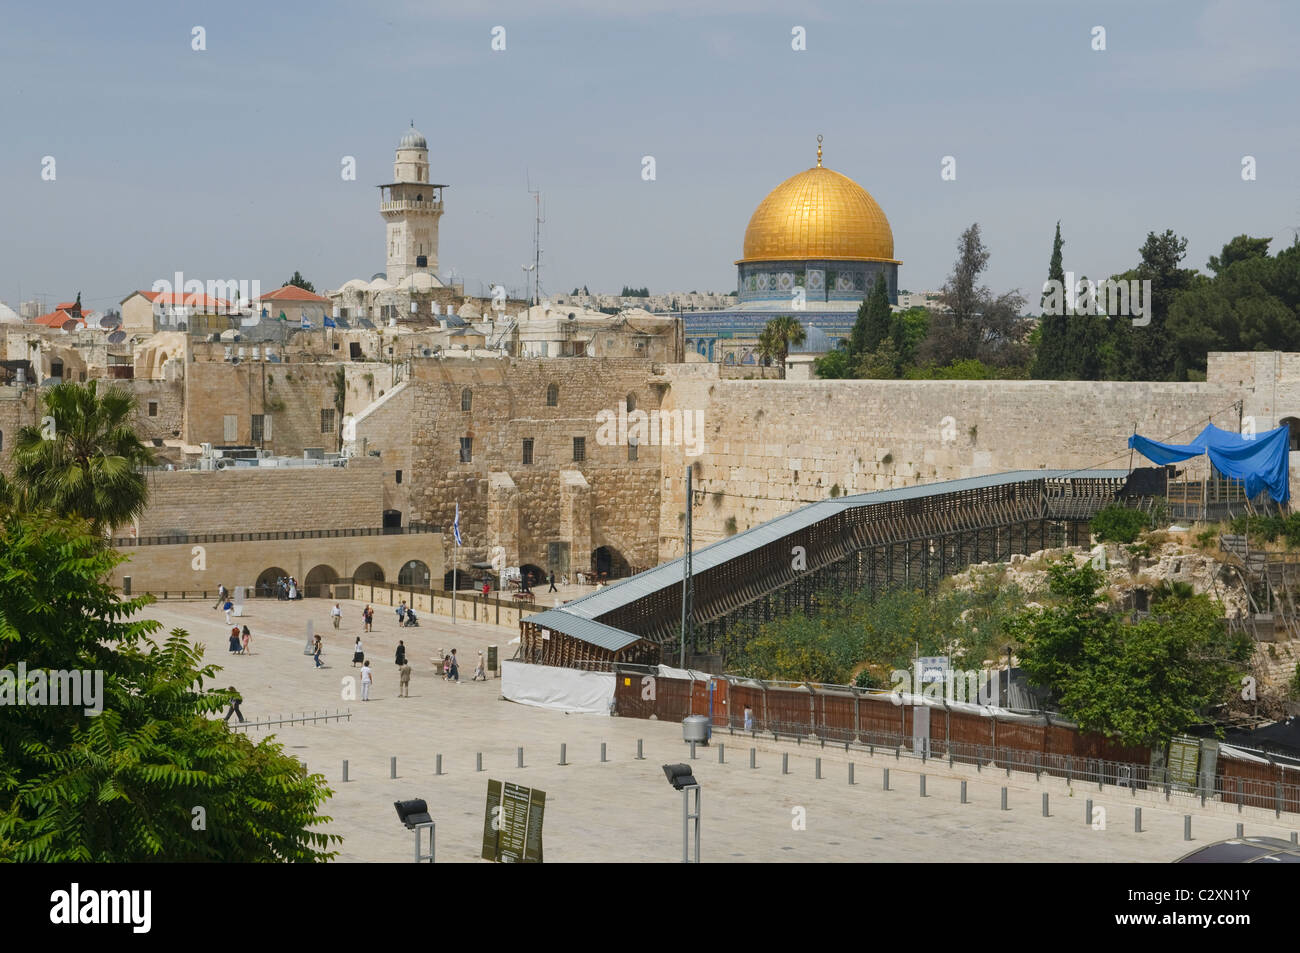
819 151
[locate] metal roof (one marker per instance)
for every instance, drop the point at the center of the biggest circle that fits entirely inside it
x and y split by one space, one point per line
574 617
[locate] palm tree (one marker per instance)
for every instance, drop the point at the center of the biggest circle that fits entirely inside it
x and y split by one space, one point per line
84 458
777 337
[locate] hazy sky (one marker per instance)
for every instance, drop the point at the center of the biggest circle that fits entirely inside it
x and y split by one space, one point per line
225 163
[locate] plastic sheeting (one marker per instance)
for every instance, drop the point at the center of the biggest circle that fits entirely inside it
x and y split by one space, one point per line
1260 460
560 689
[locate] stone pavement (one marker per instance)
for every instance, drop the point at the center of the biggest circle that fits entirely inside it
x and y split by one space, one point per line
624 810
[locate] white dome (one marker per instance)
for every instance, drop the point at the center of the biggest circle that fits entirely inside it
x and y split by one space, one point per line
413 139
419 281
355 284
8 315
379 284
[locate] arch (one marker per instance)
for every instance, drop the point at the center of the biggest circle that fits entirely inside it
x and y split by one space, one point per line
730 358
552 395
392 521
608 563
265 585
318 581
459 578
414 573
749 358
466 400
532 572
1293 424
368 572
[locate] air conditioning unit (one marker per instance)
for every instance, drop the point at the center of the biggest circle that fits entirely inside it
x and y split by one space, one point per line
313 453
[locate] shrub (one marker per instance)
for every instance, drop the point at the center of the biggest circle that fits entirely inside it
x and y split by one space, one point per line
1118 524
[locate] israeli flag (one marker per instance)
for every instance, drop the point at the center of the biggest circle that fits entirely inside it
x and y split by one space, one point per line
306 323
455 526
329 322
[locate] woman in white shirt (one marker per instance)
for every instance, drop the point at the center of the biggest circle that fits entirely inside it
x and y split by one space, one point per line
366 678
356 653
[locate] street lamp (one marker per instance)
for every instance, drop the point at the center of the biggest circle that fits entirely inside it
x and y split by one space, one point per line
415 815
682 779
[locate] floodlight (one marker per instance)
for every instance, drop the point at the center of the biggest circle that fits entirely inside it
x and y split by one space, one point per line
680 776
413 813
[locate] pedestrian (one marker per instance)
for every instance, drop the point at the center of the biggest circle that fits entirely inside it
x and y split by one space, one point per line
234 706
401 613
293 588
552 589
356 653
227 606
446 667
480 674
486 589
366 678
234 641
337 614
454 673
247 638
404 674
400 659
368 617
749 718
316 650
221 595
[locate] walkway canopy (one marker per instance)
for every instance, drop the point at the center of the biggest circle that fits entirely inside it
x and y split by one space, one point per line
1260 460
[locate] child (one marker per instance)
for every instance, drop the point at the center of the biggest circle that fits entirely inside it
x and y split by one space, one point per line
446 667
480 674
316 650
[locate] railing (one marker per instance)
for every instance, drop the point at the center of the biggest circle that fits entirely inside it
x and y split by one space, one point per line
191 538
404 205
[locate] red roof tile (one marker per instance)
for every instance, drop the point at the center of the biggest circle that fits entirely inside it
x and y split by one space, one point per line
56 319
294 293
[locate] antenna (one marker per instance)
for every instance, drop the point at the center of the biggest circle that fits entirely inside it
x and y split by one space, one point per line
537 241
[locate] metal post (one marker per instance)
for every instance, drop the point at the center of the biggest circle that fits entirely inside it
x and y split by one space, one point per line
478 761
392 766
1137 820
1187 827
850 772
603 759
1241 830
819 769
1046 811
438 765
785 763
563 759
1004 799
687 817
521 757
345 769
688 609
886 779
692 750
1087 813
419 857
923 785
722 753
752 758
640 755
963 792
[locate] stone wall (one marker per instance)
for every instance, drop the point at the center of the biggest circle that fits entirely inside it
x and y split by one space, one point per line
293 394
263 500
18 408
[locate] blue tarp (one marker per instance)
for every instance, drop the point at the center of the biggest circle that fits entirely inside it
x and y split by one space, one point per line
1261 460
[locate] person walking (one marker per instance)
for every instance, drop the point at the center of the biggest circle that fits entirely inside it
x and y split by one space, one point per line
368 617
749 718
293 588
337 614
552 589
316 650
356 653
400 658
401 613
454 672
480 673
221 595
404 674
227 606
246 640
366 678
234 641
446 667
234 706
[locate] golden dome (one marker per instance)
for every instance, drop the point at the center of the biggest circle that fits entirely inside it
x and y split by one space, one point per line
818 214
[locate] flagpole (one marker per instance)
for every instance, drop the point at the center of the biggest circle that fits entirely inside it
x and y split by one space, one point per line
455 529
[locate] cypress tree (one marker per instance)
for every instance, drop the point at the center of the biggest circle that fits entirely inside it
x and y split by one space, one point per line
1053 358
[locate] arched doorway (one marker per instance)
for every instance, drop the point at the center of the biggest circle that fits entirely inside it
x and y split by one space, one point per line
414 574
319 581
460 578
1293 425
368 572
265 585
533 573
608 563
392 521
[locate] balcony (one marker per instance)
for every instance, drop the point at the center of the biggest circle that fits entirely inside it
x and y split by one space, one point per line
407 205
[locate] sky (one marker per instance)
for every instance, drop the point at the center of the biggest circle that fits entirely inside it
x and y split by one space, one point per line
225 162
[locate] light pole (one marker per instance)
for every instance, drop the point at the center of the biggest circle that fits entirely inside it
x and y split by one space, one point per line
681 778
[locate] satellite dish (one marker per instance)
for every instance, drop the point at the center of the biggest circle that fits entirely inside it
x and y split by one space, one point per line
117 337
108 321
70 324
235 360
425 352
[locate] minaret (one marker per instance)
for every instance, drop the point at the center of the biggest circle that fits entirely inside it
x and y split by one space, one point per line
411 205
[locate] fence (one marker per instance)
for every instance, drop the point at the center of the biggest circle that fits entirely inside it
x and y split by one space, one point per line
869 718
177 539
470 605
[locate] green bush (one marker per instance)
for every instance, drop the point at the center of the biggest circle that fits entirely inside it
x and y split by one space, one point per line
1119 524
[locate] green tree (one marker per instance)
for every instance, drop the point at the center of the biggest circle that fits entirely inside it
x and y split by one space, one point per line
777 337
1152 356
974 323
833 365
1052 358
121 786
298 281
84 458
874 323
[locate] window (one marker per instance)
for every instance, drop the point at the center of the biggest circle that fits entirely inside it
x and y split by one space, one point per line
552 395
230 428
256 428
579 449
630 400
399 477
528 450
153 408
466 399
466 449
327 420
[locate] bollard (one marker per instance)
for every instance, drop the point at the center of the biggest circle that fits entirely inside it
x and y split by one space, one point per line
1187 827
785 763
1294 838
1046 812
392 766
438 768
722 754
640 756
692 750
1166 790
886 779
1241 830
753 763
850 772
963 792
898 752
520 752
563 753
478 761
923 785
1004 799
1087 813
603 759
819 769
1137 820
345 769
